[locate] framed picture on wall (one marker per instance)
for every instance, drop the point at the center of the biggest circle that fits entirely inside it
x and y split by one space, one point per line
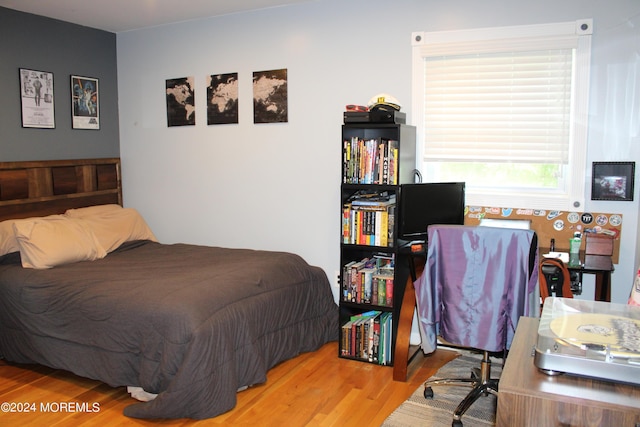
36 96
613 181
270 96
181 106
85 108
222 99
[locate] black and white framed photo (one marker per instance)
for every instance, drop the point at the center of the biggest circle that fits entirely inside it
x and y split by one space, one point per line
36 96
613 181
270 96
222 99
85 106
181 106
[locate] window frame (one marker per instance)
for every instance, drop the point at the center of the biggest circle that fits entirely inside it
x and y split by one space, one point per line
525 37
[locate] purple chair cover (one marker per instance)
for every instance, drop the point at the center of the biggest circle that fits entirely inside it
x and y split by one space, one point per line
476 284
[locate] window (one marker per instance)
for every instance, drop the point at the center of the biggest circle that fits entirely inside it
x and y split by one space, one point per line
505 110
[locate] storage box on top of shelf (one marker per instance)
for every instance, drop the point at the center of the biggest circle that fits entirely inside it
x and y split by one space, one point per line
375 116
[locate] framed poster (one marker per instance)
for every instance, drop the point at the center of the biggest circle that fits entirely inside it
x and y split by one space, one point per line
222 99
270 96
181 107
36 96
613 181
84 103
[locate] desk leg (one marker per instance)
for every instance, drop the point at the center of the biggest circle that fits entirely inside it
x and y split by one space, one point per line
603 286
401 352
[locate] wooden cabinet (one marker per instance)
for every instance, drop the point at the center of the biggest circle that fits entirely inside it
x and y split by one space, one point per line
529 397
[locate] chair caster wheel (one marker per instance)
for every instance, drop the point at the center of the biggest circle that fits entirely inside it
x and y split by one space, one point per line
456 423
428 393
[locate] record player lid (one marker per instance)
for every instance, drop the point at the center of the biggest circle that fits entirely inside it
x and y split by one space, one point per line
594 339
591 325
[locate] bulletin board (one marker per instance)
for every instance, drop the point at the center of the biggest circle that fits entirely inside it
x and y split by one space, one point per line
556 225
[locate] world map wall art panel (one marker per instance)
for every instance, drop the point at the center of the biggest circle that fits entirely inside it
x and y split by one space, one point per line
222 99
181 110
270 98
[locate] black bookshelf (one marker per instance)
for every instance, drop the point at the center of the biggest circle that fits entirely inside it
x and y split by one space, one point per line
376 159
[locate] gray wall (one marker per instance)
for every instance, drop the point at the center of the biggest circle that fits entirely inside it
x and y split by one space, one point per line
33 42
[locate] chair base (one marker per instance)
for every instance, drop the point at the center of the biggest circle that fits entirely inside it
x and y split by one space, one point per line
480 382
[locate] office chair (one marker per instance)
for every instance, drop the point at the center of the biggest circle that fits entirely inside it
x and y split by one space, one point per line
477 283
555 279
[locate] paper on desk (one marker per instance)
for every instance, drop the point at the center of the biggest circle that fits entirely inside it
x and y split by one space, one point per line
563 256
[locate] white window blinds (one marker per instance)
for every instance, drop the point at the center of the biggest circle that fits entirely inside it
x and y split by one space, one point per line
511 99
500 107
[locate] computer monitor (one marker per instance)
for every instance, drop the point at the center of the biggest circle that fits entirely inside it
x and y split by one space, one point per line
425 204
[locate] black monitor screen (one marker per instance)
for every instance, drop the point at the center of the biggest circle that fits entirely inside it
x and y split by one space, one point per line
425 204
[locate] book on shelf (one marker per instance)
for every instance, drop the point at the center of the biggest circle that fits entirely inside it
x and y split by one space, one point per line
369 161
369 280
368 221
355 280
384 289
386 323
375 198
367 284
367 336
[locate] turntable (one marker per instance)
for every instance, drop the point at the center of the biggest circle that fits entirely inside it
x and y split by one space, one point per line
593 339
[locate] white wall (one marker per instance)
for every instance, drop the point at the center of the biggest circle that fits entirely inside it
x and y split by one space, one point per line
276 186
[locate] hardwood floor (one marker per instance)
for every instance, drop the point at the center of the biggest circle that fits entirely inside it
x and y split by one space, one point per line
313 389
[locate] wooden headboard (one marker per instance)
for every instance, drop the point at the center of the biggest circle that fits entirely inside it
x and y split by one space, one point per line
39 188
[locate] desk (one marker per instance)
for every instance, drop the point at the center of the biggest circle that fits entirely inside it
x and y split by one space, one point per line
527 397
599 265
602 267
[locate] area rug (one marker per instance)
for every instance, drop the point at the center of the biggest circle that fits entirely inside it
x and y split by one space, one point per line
420 412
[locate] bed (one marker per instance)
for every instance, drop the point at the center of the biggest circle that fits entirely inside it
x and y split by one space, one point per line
188 324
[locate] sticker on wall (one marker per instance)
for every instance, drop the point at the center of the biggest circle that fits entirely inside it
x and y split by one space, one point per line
181 109
222 99
553 214
615 220
558 225
602 220
586 218
270 96
573 217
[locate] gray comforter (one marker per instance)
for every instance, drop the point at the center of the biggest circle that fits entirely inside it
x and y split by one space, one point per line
190 323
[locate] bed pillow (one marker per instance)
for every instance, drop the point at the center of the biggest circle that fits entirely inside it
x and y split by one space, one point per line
52 241
8 242
114 227
91 210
